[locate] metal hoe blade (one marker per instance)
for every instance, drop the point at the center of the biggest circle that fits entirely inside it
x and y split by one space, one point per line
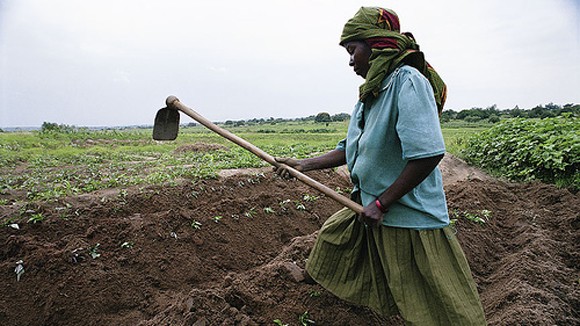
166 124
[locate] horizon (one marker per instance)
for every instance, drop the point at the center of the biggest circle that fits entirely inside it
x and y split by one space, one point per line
285 119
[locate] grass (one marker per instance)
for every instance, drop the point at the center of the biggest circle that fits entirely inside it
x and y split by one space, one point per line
51 165
456 138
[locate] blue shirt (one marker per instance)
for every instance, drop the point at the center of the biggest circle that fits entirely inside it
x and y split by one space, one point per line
401 124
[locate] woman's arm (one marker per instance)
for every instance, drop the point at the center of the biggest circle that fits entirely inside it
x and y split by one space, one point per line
331 159
412 175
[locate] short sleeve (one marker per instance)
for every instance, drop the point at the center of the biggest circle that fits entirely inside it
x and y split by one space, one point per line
418 124
341 145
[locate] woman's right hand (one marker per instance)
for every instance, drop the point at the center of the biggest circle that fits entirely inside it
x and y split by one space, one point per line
291 162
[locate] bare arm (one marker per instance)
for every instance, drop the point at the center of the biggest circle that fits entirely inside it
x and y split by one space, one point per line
331 159
412 175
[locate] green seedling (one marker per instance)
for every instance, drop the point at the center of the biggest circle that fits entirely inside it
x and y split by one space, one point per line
19 270
217 218
477 218
123 196
300 206
310 198
305 320
480 217
196 225
36 218
93 251
127 245
315 294
268 210
251 213
279 322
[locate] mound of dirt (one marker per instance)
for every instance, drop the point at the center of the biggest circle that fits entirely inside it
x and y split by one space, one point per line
230 252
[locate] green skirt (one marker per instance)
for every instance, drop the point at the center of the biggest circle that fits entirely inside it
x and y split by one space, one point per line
421 275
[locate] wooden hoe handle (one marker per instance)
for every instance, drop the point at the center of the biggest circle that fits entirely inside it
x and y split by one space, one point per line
173 102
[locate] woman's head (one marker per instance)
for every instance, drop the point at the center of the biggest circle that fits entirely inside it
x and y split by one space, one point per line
360 54
377 47
370 22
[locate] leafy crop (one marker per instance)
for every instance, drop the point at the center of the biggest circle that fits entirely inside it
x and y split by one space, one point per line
530 149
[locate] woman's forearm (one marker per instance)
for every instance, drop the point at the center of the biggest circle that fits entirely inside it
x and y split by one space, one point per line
412 175
331 159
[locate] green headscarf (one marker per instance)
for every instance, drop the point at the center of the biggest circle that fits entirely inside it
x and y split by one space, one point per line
390 48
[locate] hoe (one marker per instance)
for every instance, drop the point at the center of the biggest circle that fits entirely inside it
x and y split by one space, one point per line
166 127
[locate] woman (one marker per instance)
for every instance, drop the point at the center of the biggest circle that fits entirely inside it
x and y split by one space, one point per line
399 256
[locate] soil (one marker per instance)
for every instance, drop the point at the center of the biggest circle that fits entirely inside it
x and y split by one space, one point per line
229 251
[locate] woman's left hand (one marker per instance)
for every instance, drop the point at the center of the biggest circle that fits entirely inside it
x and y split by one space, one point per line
371 215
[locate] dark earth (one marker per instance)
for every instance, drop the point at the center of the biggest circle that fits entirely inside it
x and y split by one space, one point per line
229 251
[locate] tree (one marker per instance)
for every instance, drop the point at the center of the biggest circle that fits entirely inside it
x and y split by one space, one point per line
448 115
323 117
341 117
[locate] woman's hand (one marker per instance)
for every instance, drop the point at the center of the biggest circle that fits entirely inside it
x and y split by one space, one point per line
291 162
371 215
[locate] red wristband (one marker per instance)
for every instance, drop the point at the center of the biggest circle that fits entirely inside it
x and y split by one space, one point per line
380 206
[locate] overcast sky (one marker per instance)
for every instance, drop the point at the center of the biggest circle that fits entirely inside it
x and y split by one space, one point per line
113 63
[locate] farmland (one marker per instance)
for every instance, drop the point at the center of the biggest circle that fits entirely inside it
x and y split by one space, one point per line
49 165
115 228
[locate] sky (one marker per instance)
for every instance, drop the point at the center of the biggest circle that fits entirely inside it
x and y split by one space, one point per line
114 62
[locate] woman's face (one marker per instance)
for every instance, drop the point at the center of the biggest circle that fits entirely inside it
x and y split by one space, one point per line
360 54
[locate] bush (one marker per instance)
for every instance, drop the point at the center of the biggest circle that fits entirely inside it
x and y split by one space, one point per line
530 149
323 117
493 119
472 119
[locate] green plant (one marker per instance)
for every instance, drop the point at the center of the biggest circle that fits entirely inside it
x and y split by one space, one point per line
279 322
19 270
93 251
315 294
217 218
480 217
269 210
250 213
310 198
36 218
127 245
196 225
530 149
300 206
305 320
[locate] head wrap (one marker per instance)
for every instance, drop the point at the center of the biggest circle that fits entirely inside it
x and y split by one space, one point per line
390 48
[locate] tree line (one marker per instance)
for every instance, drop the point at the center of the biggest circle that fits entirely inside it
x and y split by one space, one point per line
492 113
323 117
